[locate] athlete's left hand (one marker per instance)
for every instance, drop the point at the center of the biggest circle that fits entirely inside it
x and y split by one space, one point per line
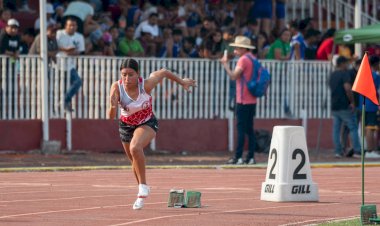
187 83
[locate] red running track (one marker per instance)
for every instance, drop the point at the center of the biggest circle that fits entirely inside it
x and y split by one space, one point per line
229 197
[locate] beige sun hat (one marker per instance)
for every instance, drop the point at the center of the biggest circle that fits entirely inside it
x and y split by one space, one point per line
242 41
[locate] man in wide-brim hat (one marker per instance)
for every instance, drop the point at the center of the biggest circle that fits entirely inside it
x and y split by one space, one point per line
245 101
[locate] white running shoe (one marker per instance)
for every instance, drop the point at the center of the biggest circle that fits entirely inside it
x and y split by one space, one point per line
144 191
239 161
139 204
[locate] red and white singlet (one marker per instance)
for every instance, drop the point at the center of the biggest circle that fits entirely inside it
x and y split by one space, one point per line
135 112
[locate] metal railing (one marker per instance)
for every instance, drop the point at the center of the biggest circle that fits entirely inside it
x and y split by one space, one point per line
301 85
337 11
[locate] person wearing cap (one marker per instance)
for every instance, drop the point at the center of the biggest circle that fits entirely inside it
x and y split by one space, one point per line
10 46
49 17
245 101
10 39
343 108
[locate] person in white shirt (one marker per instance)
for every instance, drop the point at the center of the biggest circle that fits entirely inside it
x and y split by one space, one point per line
149 25
137 123
70 43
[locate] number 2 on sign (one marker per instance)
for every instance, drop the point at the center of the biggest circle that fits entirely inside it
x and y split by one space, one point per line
296 174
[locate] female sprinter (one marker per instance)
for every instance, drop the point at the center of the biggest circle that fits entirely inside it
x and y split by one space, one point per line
137 123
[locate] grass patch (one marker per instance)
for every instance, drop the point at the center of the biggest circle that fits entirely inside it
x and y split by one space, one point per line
352 222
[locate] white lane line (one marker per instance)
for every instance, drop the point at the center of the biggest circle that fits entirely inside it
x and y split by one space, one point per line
334 219
218 212
99 207
17 184
100 196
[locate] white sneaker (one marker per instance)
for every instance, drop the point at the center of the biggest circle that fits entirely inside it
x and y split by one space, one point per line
139 204
239 161
144 191
251 161
372 155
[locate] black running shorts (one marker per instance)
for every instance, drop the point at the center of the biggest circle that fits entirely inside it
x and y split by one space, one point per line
126 131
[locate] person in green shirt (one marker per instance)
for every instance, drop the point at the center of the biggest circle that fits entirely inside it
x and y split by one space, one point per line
280 49
129 46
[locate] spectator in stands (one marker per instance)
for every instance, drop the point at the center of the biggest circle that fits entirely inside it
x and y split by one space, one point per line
10 40
128 46
280 49
146 41
262 45
242 14
250 29
108 45
133 13
167 14
311 41
189 50
229 15
262 11
347 51
373 49
82 12
58 16
213 45
245 102
228 38
25 7
181 16
194 17
71 43
151 27
173 45
208 26
114 31
297 43
148 8
5 15
52 46
371 109
10 46
27 39
342 107
121 26
304 25
49 18
324 51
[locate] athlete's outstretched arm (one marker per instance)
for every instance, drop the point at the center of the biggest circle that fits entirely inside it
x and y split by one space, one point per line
114 100
157 76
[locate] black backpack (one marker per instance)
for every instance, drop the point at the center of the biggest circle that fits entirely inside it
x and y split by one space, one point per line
262 141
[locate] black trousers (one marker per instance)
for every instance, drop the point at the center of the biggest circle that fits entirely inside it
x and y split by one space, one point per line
245 114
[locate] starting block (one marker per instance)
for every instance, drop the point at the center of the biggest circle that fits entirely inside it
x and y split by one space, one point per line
288 176
368 215
179 198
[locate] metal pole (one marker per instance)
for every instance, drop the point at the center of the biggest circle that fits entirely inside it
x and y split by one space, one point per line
44 71
362 147
358 21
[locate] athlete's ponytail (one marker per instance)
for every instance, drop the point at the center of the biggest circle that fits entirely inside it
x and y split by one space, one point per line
130 63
